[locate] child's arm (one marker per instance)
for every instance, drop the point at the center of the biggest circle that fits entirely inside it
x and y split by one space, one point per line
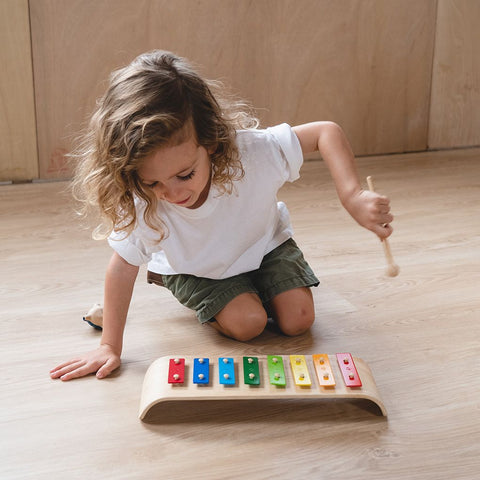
369 209
119 282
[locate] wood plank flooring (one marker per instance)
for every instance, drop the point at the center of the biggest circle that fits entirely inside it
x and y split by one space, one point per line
419 332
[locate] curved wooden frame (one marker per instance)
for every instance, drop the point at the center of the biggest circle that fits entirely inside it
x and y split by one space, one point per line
156 388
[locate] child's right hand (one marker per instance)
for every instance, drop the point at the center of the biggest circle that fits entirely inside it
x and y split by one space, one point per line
103 361
371 211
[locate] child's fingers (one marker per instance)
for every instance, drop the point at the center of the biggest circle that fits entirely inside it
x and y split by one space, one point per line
385 219
382 199
64 364
77 373
108 368
66 368
379 214
381 204
80 370
75 369
379 223
101 361
383 231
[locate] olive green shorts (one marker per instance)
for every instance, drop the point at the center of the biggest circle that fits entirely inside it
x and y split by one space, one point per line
284 268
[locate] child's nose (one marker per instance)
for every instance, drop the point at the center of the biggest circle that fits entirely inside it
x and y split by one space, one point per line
159 190
164 192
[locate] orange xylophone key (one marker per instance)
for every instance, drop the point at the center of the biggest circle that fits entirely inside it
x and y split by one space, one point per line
324 370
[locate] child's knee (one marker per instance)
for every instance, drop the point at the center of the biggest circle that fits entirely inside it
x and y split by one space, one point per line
294 311
243 327
249 325
243 318
299 323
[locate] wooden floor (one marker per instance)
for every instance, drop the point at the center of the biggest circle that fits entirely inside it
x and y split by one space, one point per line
419 333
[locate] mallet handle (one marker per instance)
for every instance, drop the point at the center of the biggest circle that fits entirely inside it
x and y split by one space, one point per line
393 268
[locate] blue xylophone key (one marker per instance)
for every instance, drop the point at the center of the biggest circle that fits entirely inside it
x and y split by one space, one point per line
201 370
226 371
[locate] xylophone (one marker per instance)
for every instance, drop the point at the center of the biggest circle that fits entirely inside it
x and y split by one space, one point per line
320 376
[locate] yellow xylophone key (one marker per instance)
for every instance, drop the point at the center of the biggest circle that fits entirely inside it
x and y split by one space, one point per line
300 370
324 370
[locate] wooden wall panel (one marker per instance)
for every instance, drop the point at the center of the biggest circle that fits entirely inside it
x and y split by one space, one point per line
363 63
455 109
18 153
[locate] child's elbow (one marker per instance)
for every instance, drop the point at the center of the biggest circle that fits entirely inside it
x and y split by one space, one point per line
329 132
329 128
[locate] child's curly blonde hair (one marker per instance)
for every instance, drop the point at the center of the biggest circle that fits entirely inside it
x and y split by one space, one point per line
148 105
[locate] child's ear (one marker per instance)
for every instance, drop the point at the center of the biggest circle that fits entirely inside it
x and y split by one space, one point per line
212 150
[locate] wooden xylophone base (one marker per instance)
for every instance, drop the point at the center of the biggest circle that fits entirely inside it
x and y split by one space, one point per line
157 389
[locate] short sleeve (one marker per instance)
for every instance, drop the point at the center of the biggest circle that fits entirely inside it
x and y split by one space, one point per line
130 248
290 149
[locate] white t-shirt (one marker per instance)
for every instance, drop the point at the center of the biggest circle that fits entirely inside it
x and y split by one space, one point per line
231 233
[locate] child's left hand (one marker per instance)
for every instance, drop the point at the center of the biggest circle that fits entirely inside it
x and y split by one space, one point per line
371 211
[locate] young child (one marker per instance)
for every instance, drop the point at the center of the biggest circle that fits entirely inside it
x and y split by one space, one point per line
186 182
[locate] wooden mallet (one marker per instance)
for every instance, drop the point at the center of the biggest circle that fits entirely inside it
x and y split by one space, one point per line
392 268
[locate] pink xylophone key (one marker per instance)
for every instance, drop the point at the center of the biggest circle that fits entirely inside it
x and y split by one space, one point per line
348 369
